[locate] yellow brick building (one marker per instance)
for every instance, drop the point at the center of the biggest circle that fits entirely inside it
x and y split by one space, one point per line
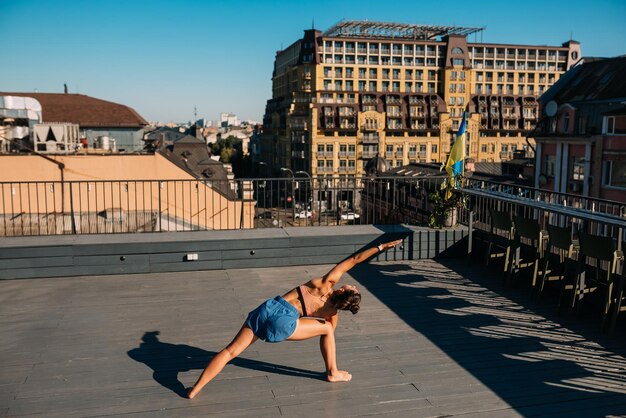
362 89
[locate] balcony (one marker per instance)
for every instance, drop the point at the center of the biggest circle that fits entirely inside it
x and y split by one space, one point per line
370 139
369 154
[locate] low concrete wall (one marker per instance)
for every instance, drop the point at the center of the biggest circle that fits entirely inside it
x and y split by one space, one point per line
80 255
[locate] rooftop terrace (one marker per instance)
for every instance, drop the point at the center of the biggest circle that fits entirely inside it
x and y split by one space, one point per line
433 338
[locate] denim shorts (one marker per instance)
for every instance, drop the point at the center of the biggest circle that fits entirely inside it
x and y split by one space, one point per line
274 320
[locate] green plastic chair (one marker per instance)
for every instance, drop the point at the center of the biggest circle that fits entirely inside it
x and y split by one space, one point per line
529 254
501 237
557 262
618 299
591 279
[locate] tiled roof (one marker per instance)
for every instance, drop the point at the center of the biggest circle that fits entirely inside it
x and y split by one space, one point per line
192 155
84 110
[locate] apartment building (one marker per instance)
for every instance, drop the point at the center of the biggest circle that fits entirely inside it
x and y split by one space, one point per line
581 143
362 89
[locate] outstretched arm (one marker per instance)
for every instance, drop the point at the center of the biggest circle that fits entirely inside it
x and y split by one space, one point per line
335 274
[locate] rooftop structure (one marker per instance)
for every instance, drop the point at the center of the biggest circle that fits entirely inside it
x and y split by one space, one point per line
366 29
84 110
95 117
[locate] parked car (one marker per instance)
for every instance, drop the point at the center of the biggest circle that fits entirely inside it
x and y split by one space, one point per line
350 216
264 215
305 214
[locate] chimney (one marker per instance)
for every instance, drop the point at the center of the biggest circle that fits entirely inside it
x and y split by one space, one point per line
65 88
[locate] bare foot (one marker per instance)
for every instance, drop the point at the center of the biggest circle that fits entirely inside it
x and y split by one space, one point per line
339 376
190 395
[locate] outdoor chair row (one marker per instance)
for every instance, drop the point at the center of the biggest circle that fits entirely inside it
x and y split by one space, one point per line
581 263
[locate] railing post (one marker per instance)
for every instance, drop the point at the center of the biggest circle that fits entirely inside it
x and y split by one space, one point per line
470 233
73 222
159 184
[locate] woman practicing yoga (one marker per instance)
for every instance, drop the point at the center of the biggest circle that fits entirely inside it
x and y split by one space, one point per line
287 318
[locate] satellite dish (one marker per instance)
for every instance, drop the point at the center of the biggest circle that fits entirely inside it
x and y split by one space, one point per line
551 108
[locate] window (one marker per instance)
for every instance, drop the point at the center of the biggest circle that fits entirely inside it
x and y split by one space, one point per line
320 164
320 147
457 50
434 149
582 125
610 125
614 174
457 62
483 148
565 125
578 168
549 162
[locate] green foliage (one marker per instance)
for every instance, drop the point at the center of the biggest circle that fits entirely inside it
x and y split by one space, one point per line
230 151
444 200
227 148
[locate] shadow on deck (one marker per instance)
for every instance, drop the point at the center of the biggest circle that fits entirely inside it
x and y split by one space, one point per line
538 362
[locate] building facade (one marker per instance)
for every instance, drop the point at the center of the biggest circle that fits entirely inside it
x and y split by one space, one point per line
95 118
363 89
581 143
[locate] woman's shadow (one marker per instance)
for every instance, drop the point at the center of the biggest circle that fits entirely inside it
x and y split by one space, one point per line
167 360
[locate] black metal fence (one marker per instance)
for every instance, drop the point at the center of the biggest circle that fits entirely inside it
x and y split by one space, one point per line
96 207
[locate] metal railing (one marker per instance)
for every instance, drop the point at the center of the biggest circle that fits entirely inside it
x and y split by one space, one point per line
96 207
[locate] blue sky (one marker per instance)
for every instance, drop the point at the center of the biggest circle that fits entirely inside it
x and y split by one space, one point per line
164 57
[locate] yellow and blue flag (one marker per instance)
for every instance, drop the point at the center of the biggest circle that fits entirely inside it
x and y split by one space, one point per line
454 166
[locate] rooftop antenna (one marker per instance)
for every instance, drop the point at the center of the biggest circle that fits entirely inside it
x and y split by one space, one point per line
195 113
313 23
65 88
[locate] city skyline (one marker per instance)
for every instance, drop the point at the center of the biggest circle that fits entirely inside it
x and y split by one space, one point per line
163 60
